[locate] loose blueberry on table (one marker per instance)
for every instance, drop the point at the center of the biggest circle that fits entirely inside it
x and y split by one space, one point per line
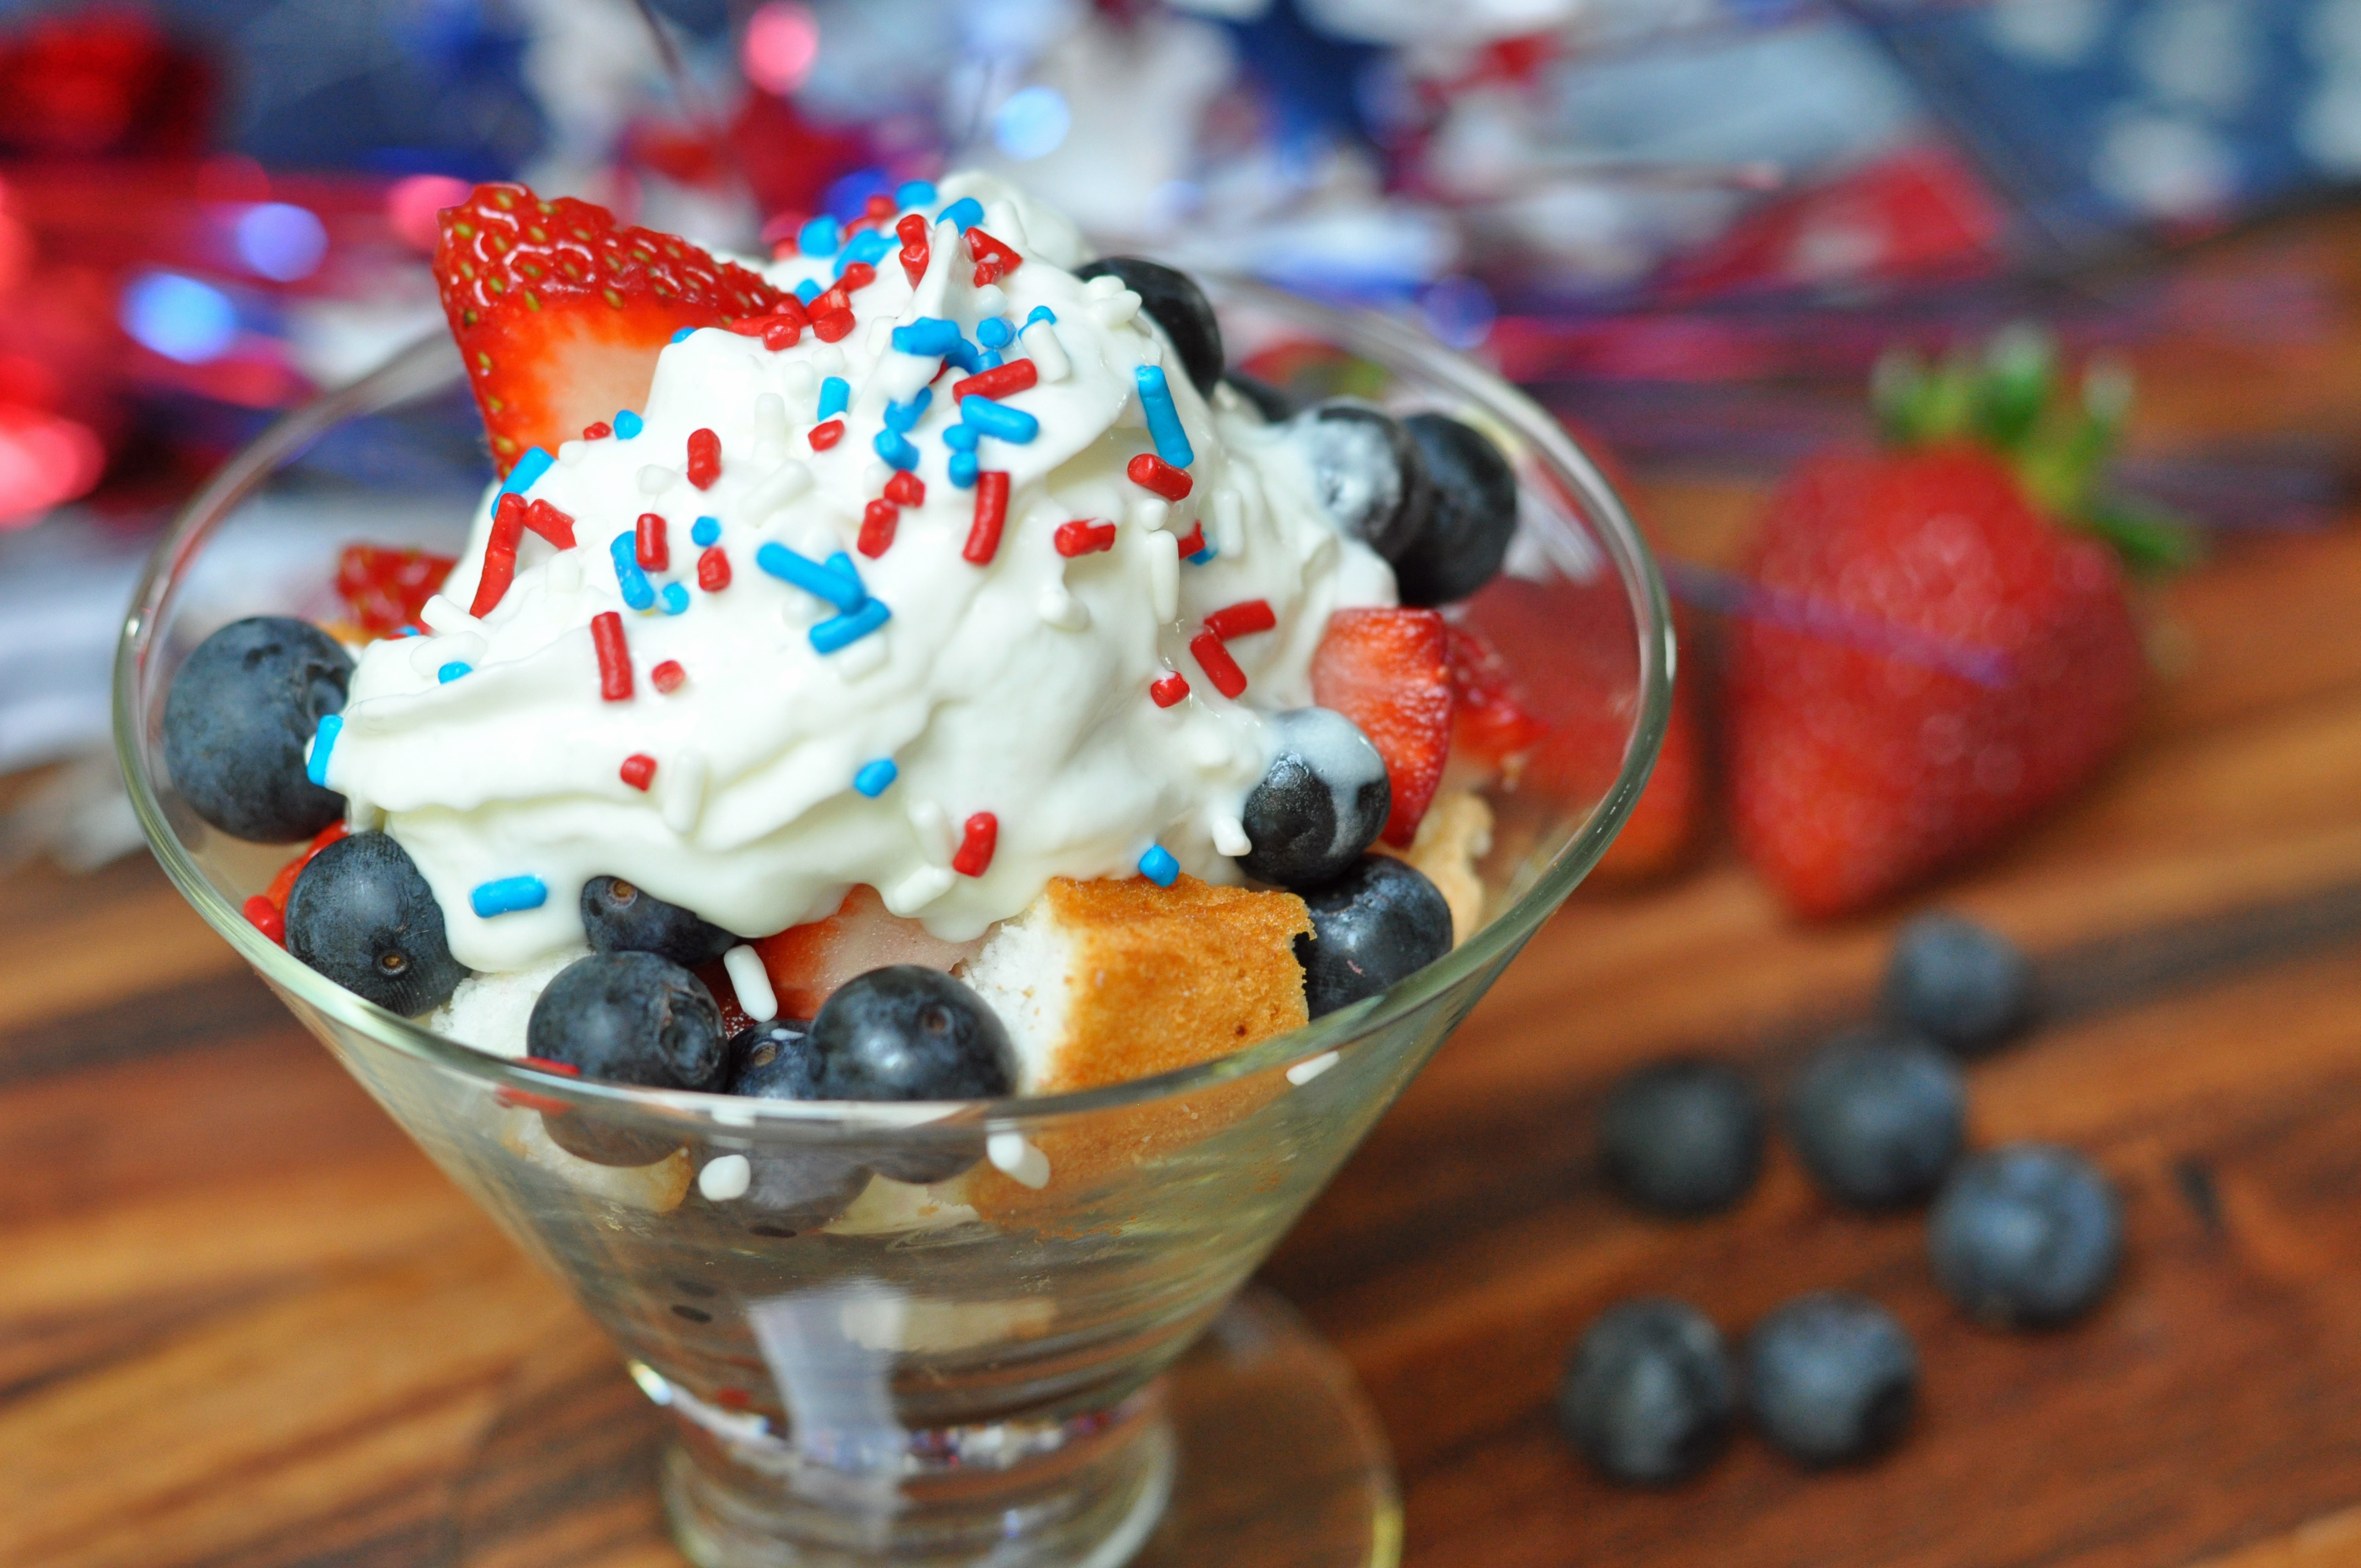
1832 1377
1683 1137
1962 985
1648 1393
1877 1118
2027 1235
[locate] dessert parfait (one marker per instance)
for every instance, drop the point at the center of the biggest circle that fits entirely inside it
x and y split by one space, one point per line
915 670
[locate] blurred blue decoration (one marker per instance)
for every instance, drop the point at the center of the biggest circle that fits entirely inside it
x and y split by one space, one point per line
1032 123
281 241
1314 82
182 318
2101 116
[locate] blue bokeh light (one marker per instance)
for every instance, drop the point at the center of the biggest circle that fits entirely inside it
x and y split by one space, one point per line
1032 123
179 317
281 241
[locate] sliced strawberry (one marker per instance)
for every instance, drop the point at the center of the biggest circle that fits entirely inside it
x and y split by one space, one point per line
808 962
1389 671
386 588
1492 717
560 314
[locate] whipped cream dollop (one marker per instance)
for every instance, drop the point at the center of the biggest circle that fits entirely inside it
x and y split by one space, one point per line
1017 689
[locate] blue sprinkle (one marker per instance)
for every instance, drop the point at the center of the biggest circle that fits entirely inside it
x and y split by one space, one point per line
1042 314
411 631
628 425
960 438
963 355
914 194
999 419
895 448
967 211
674 598
637 593
928 337
706 531
507 895
840 586
835 393
1159 866
683 335
994 332
902 416
452 671
1163 419
324 742
989 359
529 468
963 468
1202 556
876 778
816 238
869 246
837 631
808 290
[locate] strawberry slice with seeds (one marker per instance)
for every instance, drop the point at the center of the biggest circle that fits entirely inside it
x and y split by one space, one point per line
1492 717
806 963
1389 671
560 311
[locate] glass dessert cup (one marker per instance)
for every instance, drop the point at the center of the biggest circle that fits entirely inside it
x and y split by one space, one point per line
973 1372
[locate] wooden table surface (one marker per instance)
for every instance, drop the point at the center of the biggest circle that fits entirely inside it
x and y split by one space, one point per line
242 1322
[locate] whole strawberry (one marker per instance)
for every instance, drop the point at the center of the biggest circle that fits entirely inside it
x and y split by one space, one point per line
1938 646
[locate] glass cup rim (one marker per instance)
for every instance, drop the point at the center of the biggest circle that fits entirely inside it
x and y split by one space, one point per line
428 364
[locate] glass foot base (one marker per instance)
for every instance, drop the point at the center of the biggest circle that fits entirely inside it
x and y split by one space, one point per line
1277 1462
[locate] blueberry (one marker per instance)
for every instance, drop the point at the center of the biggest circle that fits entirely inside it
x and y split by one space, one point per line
2030 1235
361 915
1275 406
907 1032
630 1018
1380 922
1178 305
1830 1377
619 918
1877 1118
240 713
1648 1393
1471 519
1959 983
1365 472
1683 1137
1323 800
790 1189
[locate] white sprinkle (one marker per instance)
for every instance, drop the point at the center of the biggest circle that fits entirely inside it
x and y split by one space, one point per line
827 361
932 824
1114 312
1062 609
725 1178
1021 1161
781 486
571 453
680 791
801 385
1164 578
655 479
1001 221
363 815
771 415
1230 835
1151 513
1228 517
1106 286
1304 1072
992 300
1049 362
731 1113
917 890
751 981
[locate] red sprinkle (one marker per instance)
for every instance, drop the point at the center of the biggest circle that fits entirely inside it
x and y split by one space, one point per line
597 430
875 211
614 656
1241 620
779 333
550 523
1150 472
914 251
284 883
1000 381
1084 538
833 326
499 554
857 277
1219 667
824 437
655 551
1169 689
713 570
991 515
906 490
878 522
544 1064
639 770
738 1398
994 260
838 298
527 1100
704 458
667 676
268 918
977 842
1192 541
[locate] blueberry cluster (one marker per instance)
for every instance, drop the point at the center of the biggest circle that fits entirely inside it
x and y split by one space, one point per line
2023 1235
